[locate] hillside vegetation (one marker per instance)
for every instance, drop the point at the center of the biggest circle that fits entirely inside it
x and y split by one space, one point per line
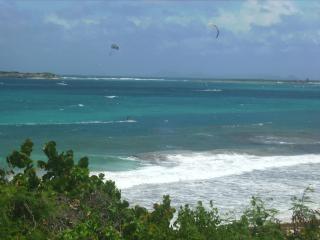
42 75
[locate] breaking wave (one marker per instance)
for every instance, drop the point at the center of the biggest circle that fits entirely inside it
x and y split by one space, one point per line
210 90
115 78
62 83
274 140
192 166
67 123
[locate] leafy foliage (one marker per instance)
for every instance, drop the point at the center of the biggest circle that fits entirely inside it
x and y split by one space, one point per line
305 221
58 199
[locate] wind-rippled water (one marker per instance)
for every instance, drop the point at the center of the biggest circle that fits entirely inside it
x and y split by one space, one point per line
195 139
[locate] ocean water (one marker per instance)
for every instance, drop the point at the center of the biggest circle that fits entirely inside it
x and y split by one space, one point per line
194 139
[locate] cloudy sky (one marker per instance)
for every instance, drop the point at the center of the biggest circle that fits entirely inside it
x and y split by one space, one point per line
265 39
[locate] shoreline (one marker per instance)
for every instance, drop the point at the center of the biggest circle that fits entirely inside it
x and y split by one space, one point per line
70 77
28 75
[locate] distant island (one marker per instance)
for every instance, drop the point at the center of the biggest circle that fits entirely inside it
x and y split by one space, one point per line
53 76
42 75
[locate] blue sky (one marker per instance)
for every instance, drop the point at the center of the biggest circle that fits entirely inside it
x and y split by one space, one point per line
258 39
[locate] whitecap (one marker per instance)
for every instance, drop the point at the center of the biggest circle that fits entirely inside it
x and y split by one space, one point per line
149 79
141 79
62 84
80 105
192 166
258 124
111 97
127 121
210 90
130 158
284 140
74 78
67 123
117 78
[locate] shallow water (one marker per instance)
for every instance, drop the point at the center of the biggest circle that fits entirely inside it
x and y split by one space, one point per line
195 139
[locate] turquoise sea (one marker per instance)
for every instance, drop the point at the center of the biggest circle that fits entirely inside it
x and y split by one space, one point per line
195 139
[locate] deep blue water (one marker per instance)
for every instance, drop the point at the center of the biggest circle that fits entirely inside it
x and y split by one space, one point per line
133 125
123 117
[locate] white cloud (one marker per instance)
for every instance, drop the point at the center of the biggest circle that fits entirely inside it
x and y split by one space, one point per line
312 36
54 19
179 20
310 12
173 19
69 23
254 13
89 21
142 22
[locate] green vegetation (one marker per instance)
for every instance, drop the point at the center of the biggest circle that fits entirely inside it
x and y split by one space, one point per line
58 199
14 74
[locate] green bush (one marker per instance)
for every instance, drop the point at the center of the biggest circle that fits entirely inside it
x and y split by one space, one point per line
58 199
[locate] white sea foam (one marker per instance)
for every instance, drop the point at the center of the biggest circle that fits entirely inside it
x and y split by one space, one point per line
73 78
261 124
210 90
283 140
132 158
80 105
192 166
148 79
133 78
67 123
127 121
62 84
115 78
111 97
258 124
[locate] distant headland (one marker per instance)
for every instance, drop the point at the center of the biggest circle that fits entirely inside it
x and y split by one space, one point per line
15 74
53 76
